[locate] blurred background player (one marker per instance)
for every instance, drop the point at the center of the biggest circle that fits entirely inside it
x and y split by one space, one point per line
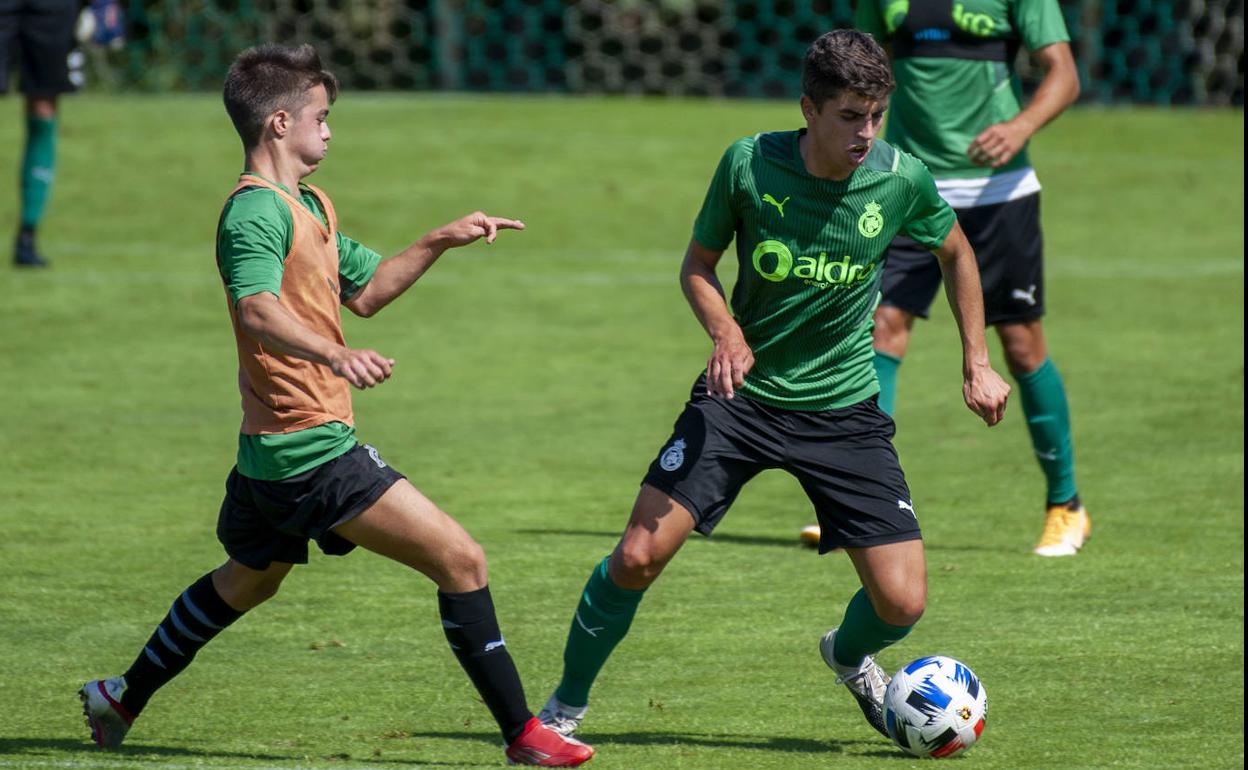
959 108
38 36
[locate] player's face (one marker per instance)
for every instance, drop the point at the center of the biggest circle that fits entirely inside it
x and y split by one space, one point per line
309 130
844 128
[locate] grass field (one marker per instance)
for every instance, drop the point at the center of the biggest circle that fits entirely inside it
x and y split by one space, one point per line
536 379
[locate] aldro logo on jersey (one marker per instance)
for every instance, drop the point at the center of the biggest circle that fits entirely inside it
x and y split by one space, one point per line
775 262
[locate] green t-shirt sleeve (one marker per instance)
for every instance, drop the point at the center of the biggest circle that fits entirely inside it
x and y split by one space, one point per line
253 240
356 265
717 222
929 218
1040 23
867 19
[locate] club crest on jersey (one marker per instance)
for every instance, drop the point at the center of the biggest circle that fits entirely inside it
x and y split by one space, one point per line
674 456
871 223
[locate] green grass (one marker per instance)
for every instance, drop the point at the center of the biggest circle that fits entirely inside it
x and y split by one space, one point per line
536 379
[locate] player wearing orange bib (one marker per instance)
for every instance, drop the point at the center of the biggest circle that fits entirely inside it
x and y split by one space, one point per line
301 475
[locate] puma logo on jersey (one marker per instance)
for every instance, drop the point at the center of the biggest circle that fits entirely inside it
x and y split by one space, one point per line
1028 296
904 506
778 204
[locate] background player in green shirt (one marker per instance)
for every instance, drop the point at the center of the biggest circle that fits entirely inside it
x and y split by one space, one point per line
790 382
959 108
301 475
39 34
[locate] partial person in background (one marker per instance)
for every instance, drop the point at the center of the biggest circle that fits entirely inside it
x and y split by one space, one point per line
959 108
37 36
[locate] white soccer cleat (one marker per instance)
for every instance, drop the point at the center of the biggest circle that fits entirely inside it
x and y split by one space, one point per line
867 683
562 718
101 705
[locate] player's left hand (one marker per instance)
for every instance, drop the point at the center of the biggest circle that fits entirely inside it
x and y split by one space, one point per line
985 393
466 230
998 144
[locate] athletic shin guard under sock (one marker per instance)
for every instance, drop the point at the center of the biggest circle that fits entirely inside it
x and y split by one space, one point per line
862 633
601 620
886 366
38 168
1048 421
195 617
472 630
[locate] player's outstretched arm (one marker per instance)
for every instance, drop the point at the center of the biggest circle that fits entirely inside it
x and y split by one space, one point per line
732 358
264 319
983 389
396 274
999 143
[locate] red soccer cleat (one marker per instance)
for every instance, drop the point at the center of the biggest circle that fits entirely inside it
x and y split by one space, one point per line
541 746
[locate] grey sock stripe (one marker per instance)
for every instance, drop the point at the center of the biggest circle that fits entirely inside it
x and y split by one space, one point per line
182 629
164 637
153 657
200 616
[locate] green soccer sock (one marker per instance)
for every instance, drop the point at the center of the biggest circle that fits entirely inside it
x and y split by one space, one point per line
862 633
602 619
1048 421
38 168
886 366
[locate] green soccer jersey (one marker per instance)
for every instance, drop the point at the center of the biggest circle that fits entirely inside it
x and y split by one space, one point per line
809 252
942 103
253 238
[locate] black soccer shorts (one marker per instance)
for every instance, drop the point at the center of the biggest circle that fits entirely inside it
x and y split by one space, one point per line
843 458
266 521
1009 248
39 35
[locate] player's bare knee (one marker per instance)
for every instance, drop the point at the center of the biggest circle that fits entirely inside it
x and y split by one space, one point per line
892 330
1024 346
264 590
463 567
634 566
904 611
243 588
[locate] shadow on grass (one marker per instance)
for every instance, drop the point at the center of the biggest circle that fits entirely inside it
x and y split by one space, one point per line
137 754
787 542
781 744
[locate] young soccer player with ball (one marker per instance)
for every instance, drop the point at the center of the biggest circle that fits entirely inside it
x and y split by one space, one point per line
301 475
790 382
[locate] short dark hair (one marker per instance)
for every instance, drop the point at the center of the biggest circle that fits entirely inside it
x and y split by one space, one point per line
846 60
271 77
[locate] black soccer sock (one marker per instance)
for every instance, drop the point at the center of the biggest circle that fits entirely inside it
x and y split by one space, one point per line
472 630
195 617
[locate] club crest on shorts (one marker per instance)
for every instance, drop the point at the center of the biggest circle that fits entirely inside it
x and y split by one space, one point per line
372 452
674 456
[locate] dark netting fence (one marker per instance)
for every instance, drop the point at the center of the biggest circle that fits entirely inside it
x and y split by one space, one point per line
1149 51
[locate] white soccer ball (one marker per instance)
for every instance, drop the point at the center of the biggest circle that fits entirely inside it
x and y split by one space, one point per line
935 707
